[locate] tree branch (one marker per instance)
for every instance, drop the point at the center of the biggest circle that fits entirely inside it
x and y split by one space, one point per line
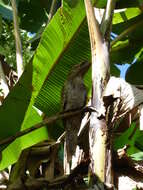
3 83
62 181
100 76
51 12
19 59
46 121
106 23
100 151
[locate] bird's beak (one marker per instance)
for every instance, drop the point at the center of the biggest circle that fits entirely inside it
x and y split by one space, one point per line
84 67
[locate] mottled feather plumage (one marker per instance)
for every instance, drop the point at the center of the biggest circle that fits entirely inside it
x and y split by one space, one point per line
74 97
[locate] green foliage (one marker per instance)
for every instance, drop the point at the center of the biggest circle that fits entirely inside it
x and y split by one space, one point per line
120 3
128 3
134 73
125 14
32 14
139 142
137 156
128 138
7 41
126 49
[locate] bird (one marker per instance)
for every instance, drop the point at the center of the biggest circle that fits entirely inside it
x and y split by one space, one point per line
74 96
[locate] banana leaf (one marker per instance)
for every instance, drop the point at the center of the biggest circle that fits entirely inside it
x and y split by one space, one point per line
17 108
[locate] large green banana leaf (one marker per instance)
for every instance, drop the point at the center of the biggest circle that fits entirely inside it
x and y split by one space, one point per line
17 108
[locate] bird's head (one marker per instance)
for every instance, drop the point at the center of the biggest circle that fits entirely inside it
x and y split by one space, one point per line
80 69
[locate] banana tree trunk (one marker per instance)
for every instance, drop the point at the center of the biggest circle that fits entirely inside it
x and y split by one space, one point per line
100 149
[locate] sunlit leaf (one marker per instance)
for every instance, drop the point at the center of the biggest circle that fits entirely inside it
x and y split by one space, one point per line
122 15
137 156
12 152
